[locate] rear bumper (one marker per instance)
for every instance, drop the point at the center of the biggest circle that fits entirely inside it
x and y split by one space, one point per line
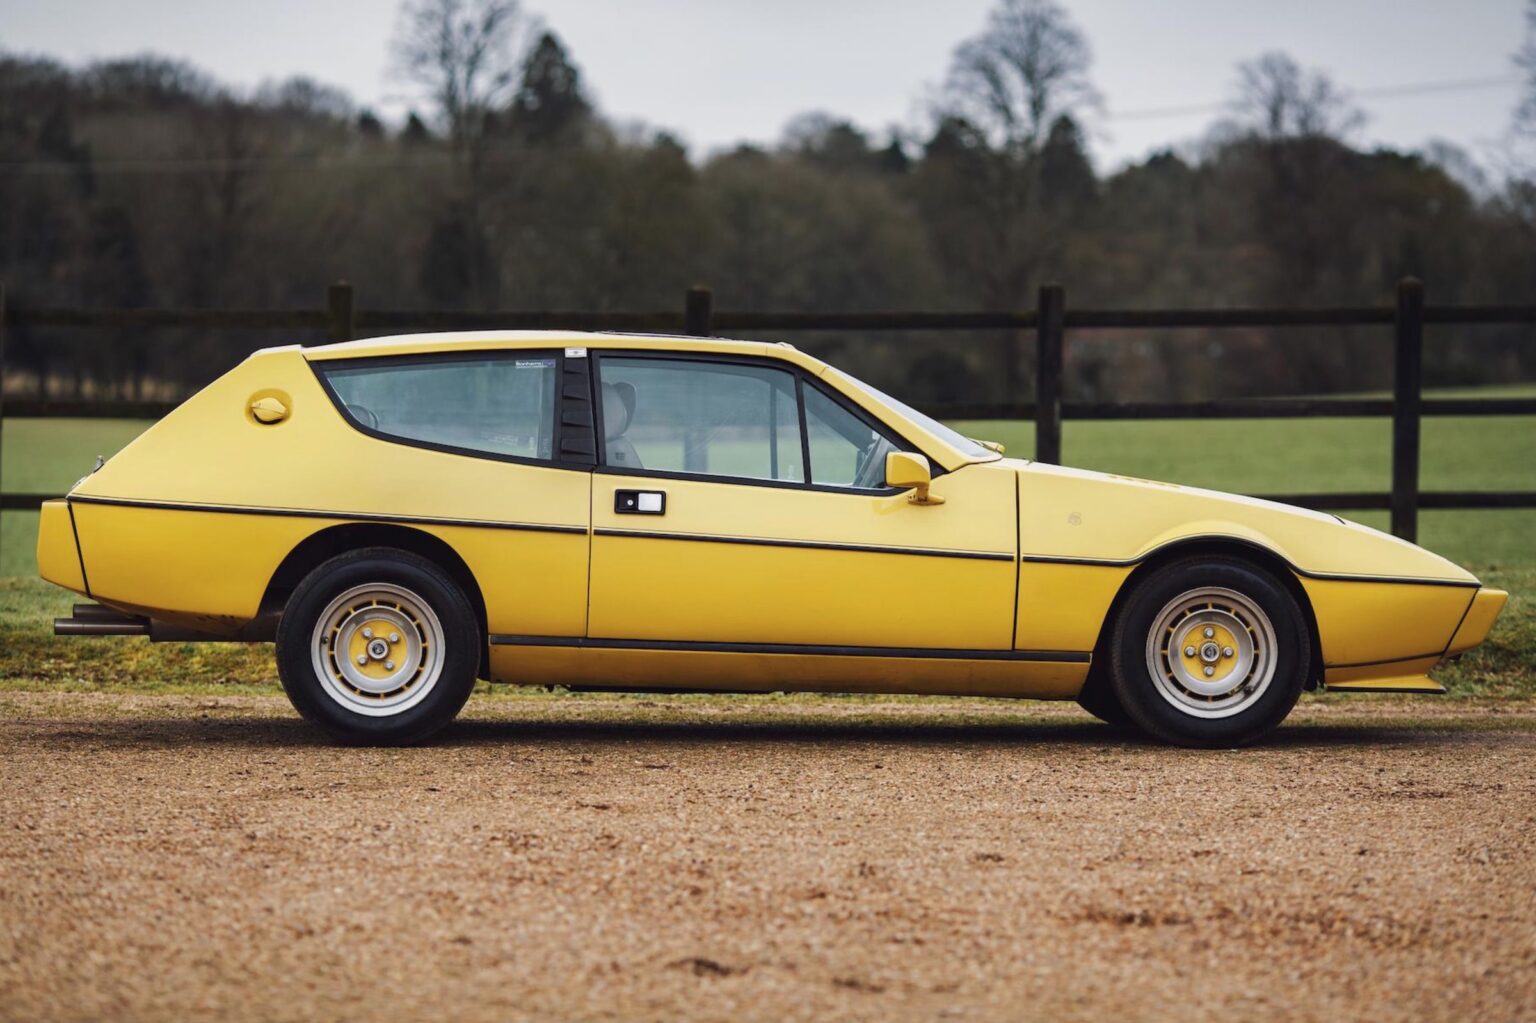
58 550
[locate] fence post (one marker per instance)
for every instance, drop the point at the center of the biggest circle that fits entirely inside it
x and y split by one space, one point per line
1049 343
1407 391
698 312
338 301
2 388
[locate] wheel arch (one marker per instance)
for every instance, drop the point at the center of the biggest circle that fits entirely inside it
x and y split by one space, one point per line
322 545
1230 547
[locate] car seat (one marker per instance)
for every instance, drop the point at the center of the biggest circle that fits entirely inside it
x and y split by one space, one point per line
618 413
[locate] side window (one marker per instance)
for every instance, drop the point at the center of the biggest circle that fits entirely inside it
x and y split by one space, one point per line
501 404
845 451
718 418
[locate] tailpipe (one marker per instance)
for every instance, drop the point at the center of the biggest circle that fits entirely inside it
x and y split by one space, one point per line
96 620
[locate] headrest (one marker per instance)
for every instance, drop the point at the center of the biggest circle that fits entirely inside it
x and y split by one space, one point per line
618 408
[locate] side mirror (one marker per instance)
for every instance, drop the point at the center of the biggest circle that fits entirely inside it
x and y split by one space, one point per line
907 471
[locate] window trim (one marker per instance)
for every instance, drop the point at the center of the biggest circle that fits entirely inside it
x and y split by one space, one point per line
802 378
805 433
448 358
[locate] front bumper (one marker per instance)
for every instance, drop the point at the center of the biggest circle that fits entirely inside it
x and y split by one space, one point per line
1478 620
1411 675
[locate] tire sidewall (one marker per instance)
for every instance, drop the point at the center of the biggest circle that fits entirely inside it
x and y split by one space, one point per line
461 656
1132 679
1098 698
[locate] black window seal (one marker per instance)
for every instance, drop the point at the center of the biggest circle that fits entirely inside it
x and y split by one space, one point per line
802 379
439 358
744 481
805 433
556 406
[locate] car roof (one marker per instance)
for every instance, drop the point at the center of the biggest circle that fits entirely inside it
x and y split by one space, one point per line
491 340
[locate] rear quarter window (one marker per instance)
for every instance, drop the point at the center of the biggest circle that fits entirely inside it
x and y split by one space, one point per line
501 405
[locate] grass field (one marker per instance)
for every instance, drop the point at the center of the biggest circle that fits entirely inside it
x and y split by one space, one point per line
1243 456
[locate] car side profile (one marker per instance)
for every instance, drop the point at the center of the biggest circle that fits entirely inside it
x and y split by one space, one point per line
405 515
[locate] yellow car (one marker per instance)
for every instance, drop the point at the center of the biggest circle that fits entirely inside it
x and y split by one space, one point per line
403 515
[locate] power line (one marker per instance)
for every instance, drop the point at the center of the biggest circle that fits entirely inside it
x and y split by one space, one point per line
330 162
1379 92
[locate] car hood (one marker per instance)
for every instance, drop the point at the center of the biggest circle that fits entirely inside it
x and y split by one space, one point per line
1078 513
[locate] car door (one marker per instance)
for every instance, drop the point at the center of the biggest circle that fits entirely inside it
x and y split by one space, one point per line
738 505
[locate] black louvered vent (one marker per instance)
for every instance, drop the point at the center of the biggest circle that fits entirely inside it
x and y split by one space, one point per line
578 434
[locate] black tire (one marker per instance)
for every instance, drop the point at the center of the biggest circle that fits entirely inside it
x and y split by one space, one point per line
1143 698
1098 698
457 653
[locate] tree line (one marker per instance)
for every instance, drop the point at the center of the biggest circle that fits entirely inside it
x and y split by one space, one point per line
147 182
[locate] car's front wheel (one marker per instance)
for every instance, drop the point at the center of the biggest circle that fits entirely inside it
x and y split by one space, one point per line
378 646
1210 652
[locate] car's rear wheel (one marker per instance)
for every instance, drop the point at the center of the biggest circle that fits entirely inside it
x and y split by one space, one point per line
378 646
1209 651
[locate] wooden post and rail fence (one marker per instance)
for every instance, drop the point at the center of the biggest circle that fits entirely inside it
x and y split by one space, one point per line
1050 321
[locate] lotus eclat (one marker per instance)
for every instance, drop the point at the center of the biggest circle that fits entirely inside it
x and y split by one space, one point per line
404 515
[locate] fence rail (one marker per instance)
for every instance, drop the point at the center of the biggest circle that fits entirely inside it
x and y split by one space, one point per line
1049 321
675 322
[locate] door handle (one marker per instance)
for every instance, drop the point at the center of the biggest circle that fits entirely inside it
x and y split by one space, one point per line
640 502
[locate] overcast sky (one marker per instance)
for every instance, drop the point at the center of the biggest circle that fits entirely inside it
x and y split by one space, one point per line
719 71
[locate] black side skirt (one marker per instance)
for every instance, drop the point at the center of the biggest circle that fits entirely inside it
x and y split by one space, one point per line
1058 656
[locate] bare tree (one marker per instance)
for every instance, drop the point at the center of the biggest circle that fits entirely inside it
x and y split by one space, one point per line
467 54
1008 88
1525 60
1278 98
1521 148
303 96
1028 68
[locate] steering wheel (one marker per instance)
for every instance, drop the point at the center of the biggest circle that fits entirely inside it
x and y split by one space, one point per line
869 471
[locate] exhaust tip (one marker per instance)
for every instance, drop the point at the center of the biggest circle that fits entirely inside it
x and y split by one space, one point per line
96 620
94 612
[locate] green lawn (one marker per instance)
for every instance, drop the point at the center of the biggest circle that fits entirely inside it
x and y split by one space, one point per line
1258 456
1244 456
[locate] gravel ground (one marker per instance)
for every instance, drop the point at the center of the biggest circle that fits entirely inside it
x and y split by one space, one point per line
173 857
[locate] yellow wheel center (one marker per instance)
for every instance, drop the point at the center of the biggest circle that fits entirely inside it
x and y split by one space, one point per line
1210 646
376 648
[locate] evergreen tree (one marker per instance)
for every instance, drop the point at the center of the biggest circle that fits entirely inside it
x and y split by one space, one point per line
550 106
415 131
1066 177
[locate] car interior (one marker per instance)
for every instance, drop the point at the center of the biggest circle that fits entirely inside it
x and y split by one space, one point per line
618 413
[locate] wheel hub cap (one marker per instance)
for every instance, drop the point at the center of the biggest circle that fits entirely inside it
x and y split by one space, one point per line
377 649
1211 652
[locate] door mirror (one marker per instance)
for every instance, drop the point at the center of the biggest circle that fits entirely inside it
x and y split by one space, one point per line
907 471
